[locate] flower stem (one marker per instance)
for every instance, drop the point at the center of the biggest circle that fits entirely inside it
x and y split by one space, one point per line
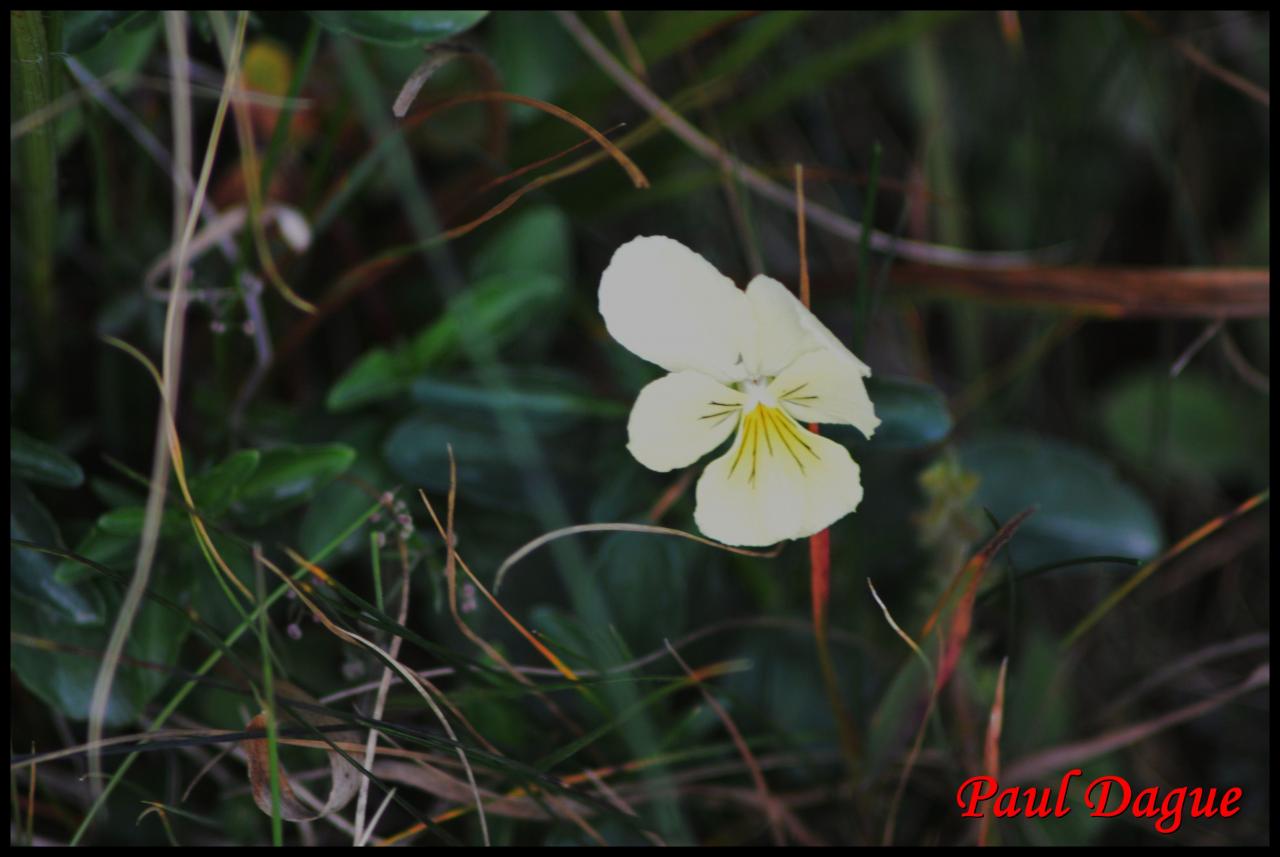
820 550
820 586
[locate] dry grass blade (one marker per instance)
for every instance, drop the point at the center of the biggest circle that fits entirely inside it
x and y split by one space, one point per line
174 325
1184 544
1198 57
437 56
578 529
418 684
179 469
214 232
451 581
633 172
823 217
962 618
560 665
1051 762
1182 667
757 776
1106 292
253 190
345 779
379 704
892 815
991 747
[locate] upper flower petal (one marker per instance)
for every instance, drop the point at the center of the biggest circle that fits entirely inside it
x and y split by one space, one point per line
679 418
827 386
817 378
778 481
780 333
670 306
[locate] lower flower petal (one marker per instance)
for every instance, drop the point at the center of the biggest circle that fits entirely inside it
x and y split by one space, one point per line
827 386
679 418
778 481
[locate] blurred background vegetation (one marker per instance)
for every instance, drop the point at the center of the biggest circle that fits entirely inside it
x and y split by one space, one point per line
1100 352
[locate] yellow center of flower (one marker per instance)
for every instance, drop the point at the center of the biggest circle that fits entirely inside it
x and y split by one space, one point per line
769 433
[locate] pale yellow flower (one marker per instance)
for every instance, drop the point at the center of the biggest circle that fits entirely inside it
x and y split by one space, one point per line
755 364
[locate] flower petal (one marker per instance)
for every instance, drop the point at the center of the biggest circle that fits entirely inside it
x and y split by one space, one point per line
787 329
780 334
667 304
827 386
778 481
679 418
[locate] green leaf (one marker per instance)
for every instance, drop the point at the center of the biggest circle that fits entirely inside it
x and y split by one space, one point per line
127 522
912 414
399 28
215 489
65 680
379 374
341 502
1085 508
36 461
113 551
498 308
289 476
417 451
535 56
31 579
1212 430
536 241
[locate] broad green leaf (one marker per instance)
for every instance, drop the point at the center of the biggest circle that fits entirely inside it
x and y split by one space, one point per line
1084 506
340 503
535 56
36 461
128 521
215 489
399 27
31 578
379 374
289 476
1212 429
417 451
65 680
112 550
498 308
912 414
536 240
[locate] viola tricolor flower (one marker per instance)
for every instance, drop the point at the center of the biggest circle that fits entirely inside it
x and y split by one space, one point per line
755 364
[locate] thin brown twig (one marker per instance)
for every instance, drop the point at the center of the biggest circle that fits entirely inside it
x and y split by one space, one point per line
630 49
748 758
1200 59
823 217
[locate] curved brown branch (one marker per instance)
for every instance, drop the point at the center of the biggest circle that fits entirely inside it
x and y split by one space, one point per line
1110 292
